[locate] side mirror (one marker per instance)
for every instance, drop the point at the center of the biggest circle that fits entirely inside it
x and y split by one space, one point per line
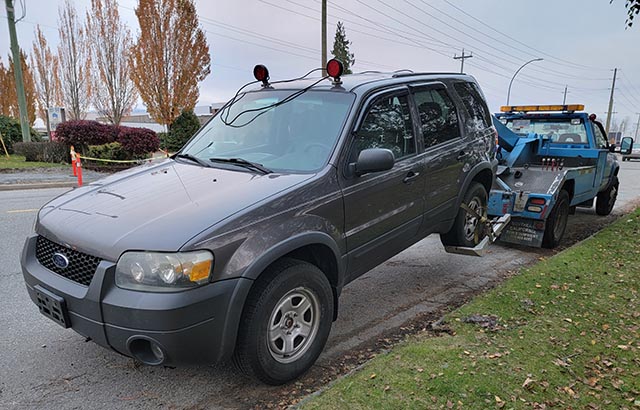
612 147
626 146
373 160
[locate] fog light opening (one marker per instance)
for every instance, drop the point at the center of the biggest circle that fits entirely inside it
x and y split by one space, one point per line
147 351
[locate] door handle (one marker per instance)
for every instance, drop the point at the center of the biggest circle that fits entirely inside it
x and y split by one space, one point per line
462 155
410 177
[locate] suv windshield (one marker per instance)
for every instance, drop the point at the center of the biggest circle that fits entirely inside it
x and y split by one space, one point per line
561 131
297 136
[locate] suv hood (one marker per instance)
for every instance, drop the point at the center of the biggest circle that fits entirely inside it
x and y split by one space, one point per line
154 207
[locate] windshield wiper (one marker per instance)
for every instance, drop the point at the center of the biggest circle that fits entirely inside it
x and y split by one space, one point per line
243 163
193 158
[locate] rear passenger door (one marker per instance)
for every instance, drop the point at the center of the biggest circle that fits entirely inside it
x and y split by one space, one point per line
439 124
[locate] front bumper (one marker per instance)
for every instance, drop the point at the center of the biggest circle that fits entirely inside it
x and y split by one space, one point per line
191 327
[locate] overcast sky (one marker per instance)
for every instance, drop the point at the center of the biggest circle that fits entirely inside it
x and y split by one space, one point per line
581 41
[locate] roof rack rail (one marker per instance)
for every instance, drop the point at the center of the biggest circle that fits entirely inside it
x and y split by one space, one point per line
404 74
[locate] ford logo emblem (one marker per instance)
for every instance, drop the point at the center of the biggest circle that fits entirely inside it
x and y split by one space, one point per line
60 260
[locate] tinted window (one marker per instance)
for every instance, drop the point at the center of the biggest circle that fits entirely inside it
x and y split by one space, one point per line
438 117
387 125
474 103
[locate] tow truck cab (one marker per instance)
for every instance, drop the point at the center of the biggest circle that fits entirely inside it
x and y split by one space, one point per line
552 160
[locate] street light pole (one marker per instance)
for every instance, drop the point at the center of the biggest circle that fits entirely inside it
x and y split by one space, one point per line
514 76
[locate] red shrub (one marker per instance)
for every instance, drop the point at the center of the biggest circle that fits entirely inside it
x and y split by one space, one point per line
138 141
82 133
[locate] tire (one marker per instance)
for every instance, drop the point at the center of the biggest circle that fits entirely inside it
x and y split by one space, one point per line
463 231
607 198
285 322
556 222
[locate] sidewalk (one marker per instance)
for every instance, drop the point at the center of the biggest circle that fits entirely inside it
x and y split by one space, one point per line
58 177
37 178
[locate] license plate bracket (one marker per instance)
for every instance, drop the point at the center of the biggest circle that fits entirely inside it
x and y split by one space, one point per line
52 306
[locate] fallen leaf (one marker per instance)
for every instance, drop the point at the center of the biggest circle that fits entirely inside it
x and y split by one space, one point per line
528 383
373 376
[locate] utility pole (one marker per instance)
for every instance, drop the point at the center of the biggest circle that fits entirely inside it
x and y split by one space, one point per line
462 58
17 70
613 88
324 38
564 99
635 138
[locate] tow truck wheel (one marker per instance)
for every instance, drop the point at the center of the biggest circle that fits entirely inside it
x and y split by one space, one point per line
556 222
607 198
466 230
285 322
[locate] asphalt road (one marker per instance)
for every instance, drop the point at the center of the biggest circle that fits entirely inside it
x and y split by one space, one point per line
45 366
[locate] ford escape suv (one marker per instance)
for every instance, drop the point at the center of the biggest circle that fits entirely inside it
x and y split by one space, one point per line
239 245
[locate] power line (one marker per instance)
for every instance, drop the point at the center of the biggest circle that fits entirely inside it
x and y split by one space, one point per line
576 65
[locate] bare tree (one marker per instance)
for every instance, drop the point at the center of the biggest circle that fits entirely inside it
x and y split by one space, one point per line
114 93
74 63
170 57
46 67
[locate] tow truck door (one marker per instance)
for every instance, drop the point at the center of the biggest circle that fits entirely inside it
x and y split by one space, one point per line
603 170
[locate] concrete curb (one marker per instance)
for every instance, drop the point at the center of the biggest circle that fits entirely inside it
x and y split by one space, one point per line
39 185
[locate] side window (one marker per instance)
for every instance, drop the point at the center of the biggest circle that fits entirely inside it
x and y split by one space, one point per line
474 103
387 125
601 141
438 117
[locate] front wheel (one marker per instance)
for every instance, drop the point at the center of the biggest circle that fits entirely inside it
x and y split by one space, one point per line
467 230
556 222
285 322
607 198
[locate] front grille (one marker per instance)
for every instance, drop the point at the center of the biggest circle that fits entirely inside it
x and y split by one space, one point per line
81 266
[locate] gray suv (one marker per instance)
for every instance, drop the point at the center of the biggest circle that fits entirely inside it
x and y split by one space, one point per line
239 245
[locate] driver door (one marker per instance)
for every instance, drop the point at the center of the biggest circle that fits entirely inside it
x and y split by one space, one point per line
383 210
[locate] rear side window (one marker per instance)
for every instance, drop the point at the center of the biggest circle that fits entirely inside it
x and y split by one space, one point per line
387 125
474 103
438 116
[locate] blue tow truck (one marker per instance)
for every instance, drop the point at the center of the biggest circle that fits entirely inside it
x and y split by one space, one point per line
553 159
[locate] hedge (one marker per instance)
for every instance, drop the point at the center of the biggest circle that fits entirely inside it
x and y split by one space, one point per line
43 151
12 133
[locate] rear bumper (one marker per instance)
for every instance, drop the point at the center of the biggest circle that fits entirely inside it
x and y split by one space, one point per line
193 326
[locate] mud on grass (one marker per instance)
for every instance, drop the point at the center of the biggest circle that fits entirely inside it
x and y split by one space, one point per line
567 337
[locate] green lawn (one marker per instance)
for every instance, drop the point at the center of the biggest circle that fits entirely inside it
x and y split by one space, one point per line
18 162
566 335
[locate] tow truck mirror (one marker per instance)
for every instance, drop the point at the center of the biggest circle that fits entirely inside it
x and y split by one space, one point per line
373 160
626 146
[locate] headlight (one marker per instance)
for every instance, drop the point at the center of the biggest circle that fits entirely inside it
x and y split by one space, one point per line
163 272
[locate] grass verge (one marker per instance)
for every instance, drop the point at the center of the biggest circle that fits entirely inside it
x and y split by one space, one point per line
18 162
562 334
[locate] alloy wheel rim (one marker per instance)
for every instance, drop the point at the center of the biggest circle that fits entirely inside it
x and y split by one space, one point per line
293 325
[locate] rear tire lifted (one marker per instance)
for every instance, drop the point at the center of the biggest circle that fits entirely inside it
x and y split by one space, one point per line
607 198
285 323
556 223
466 231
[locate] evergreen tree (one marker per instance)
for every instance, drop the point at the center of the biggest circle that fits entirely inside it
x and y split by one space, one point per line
181 130
341 49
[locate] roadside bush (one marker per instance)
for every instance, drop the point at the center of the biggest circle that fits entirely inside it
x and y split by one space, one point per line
162 137
181 130
42 151
112 150
82 133
11 132
138 142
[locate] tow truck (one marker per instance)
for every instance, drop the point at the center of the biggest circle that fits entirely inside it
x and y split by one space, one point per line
553 158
